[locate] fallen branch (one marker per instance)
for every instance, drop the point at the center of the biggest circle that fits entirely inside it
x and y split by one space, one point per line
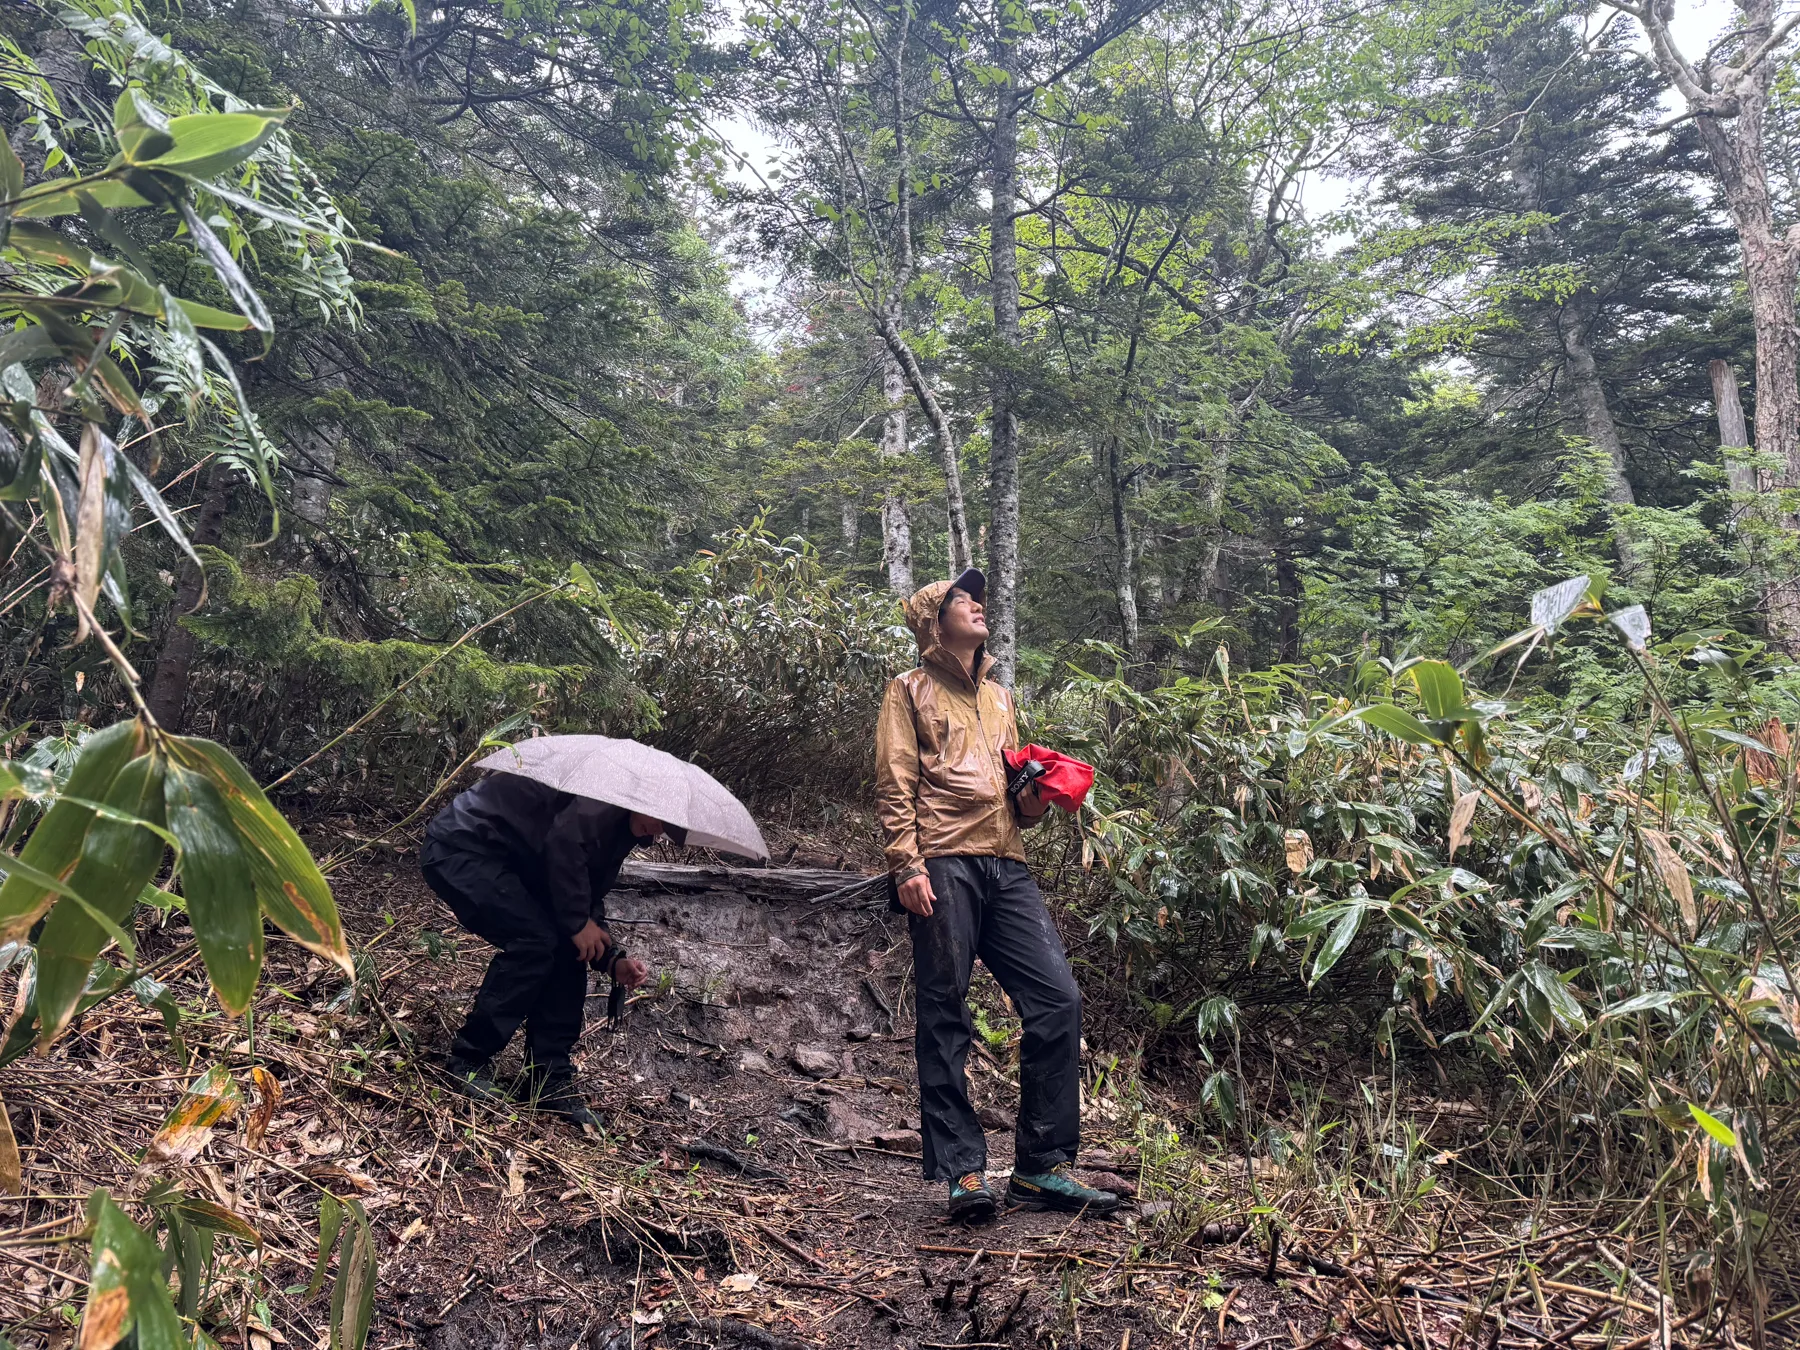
700 1148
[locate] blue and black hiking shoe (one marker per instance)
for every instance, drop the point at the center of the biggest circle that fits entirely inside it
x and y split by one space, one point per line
1058 1189
970 1198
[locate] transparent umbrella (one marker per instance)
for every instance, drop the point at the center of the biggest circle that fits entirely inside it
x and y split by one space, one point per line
638 778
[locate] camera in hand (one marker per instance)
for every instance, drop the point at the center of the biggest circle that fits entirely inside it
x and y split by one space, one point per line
1023 777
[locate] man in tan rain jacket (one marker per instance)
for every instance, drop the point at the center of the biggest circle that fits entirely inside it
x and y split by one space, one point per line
957 857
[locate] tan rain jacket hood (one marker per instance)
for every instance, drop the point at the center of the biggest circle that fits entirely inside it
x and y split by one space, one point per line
940 780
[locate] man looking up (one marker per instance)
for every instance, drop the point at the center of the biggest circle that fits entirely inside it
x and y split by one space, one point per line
527 868
956 854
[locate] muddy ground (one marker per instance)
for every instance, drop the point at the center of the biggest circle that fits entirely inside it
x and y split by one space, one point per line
777 1028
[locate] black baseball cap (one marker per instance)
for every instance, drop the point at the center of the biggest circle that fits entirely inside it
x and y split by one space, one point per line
971 583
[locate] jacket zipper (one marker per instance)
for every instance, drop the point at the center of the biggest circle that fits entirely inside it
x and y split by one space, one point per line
985 743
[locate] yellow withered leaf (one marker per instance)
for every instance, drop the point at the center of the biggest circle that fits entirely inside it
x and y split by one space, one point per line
1674 874
212 1097
1299 851
1462 815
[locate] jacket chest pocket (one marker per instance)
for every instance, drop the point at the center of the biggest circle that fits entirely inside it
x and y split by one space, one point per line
965 759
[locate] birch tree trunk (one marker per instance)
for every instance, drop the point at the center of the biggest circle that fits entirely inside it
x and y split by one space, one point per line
896 527
961 555
1728 102
1003 456
1124 551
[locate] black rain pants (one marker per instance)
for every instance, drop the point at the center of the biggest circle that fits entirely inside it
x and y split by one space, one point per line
536 978
991 908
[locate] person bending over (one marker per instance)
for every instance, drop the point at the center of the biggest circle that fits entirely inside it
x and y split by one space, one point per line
527 868
956 854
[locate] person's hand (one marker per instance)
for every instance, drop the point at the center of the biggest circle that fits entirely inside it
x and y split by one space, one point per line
916 895
630 972
591 941
1031 803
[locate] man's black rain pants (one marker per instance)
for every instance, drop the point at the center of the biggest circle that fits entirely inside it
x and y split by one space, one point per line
991 908
536 979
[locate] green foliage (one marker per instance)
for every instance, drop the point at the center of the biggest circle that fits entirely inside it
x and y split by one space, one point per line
770 671
1600 907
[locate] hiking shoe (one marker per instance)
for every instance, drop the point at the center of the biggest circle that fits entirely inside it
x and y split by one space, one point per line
475 1082
558 1096
1058 1189
970 1198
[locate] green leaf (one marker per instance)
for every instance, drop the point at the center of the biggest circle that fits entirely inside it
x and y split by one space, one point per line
1336 943
1397 722
55 846
12 172
1562 1005
208 143
117 861
61 197
1717 1128
1440 689
127 1289
331 1219
218 885
353 1296
45 246
216 1218
205 316
289 886
1654 1001
28 781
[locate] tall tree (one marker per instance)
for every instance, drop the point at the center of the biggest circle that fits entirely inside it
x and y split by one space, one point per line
1541 156
1726 94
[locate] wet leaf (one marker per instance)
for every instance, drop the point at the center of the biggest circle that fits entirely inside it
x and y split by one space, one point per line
225 267
127 1287
1633 623
217 883
1553 604
12 1168
211 1098
289 886
1336 943
331 1219
117 860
